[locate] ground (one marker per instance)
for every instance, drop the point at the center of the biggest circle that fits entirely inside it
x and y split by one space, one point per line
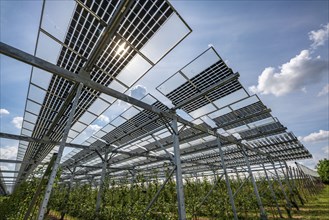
316 207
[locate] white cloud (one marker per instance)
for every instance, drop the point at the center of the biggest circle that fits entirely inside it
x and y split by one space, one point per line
322 135
104 118
324 91
319 37
94 128
17 121
138 92
4 111
300 71
8 152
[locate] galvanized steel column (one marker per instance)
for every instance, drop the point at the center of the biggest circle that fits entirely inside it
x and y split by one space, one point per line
59 155
179 177
67 197
101 184
281 186
303 183
259 201
227 180
272 191
295 188
292 195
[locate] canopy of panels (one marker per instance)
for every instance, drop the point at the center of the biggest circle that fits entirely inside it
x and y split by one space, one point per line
115 44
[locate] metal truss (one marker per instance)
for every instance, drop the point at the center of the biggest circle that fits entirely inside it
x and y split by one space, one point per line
222 130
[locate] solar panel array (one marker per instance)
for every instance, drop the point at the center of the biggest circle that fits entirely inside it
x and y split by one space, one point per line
127 46
116 50
247 117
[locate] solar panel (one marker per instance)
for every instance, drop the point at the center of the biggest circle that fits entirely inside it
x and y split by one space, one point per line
191 86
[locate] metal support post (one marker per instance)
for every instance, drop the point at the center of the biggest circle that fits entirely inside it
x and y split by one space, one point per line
286 177
289 172
311 183
132 181
292 195
101 184
259 201
295 177
228 184
59 155
299 183
67 197
179 176
283 190
272 191
40 187
304 181
295 188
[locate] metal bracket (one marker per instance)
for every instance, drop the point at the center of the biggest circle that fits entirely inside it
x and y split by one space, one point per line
99 154
172 158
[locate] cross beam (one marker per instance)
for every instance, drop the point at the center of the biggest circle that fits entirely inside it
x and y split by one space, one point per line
49 67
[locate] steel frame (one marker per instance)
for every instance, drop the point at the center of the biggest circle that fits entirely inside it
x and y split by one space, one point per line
247 149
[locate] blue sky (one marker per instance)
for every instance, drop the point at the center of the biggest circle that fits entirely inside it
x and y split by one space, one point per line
255 35
280 49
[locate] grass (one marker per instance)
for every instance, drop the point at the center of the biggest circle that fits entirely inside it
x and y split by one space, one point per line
317 207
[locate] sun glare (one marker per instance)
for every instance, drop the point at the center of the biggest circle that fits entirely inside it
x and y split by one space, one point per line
122 49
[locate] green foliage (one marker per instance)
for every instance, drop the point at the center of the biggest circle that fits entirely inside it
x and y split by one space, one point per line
323 170
128 200
15 206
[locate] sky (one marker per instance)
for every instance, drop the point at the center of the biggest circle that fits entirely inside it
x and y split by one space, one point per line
280 49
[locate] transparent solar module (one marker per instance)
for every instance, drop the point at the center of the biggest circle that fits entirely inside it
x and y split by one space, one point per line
171 33
98 107
172 83
248 101
117 86
273 127
53 23
203 110
231 98
261 122
33 107
134 70
48 49
40 78
195 67
200 88
206 59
